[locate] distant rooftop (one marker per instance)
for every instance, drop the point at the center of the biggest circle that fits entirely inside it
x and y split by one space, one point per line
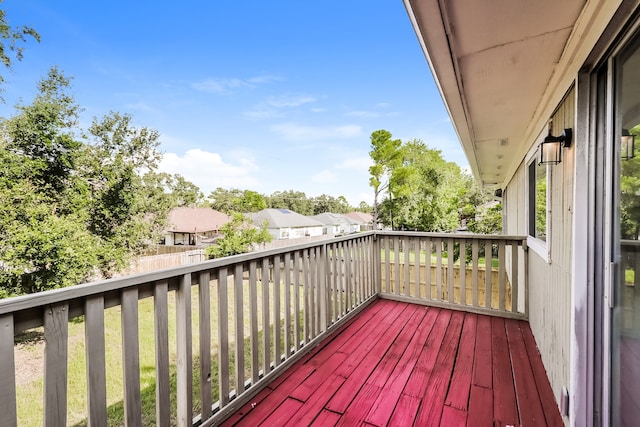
190 220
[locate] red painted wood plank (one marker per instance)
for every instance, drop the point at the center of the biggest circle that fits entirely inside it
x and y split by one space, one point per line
326 418
529 406
383 408
505 410
283 413
346 333
313 381
453 417
314 405
376 334
407 363
405 411
244 410
430 411
362 368
482 373
480 407
458 395
547 398
360 406
264 408
418 381
393 354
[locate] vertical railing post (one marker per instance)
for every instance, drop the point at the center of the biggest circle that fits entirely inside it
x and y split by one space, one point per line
8 412
56 334
184 373
323 285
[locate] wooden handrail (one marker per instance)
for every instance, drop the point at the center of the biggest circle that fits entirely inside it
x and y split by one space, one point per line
293 297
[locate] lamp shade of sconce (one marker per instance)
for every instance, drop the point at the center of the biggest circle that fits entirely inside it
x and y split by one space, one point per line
627 145
551 147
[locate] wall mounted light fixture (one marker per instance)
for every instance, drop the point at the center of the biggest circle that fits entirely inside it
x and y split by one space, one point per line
627 145
551 147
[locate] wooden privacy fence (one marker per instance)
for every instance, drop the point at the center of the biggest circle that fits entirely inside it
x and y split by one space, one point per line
224 328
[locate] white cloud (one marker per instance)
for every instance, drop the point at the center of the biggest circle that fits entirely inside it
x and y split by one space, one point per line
297 132
360 164
289 101
229 85
208 170
324 177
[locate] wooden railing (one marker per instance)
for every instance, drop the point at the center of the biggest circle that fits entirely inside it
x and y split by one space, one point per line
478 273
223 329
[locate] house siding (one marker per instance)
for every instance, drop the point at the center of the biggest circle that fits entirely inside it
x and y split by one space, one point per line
550 279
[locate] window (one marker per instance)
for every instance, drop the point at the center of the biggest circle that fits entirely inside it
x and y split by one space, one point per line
538 200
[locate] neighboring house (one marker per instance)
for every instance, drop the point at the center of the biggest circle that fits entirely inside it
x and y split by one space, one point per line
363 220
286 224
514 75
193 226
334 224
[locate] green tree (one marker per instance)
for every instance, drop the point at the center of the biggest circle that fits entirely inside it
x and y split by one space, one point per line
386 154
325 203
295 201
487 220
71 207
235 200
252 201
238 236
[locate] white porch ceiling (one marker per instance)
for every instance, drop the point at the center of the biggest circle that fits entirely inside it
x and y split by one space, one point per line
501 67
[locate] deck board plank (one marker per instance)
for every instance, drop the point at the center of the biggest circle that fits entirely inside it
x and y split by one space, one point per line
549 406
529 406
482 373
480 407
505 410
432 404
408 364
458 395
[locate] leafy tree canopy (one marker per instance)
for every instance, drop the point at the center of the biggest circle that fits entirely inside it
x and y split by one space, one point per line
238 236
73 202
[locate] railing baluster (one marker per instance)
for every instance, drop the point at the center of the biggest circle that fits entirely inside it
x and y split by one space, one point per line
253 316
8 411
341 276
313 293
450 259
387 264
463 272
502 282
131 357
56 333
95 353
239 327
296 298
396 263
514 276
161 327
416 266
335 282
407 283
204 300
277 335
488 256
347 273
475 273
287 304
305 296
184 373
223 337
427 267
323 289
439 269
266 321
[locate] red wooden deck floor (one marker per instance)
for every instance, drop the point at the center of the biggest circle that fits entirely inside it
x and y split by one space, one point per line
401 364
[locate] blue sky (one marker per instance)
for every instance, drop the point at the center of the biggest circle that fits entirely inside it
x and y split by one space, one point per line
262 95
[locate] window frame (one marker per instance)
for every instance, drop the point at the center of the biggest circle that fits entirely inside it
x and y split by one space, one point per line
541 247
